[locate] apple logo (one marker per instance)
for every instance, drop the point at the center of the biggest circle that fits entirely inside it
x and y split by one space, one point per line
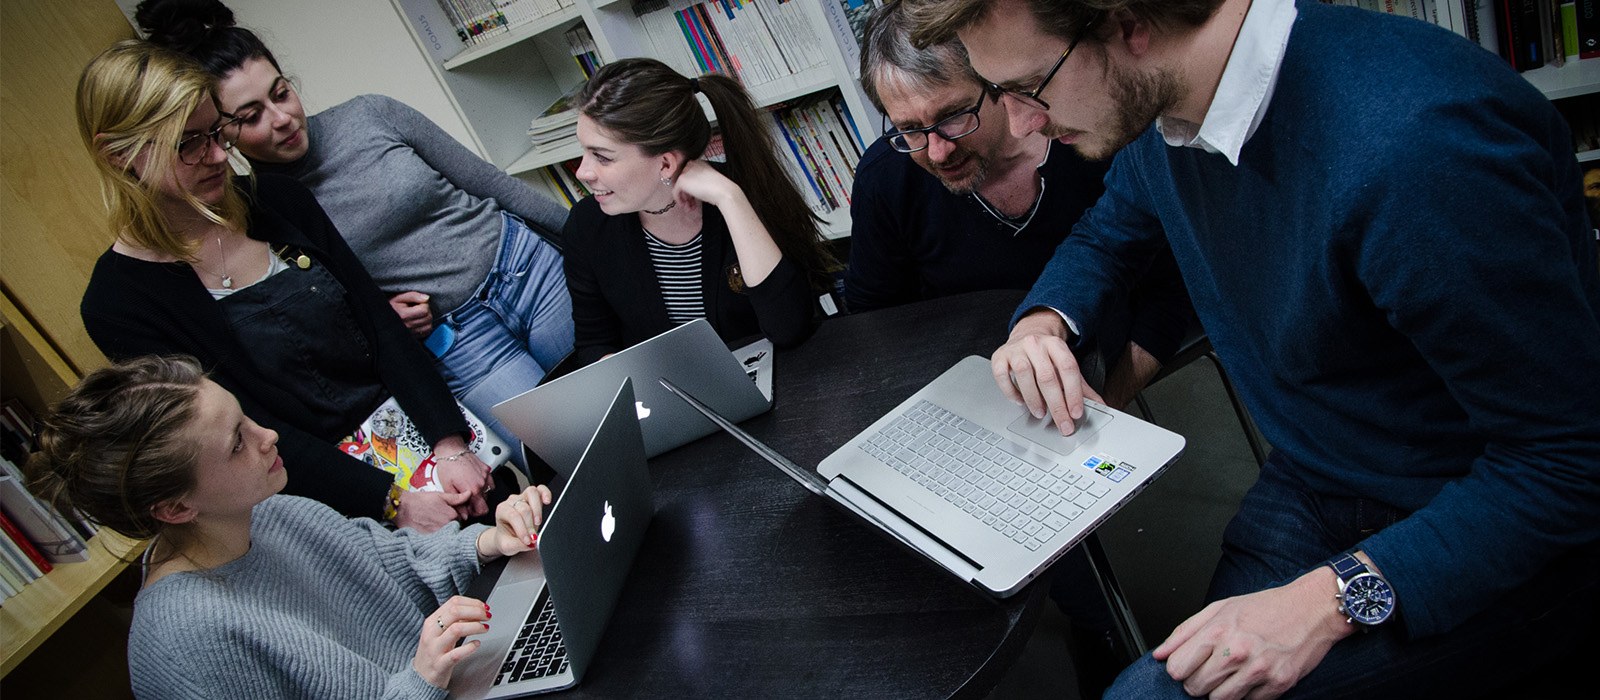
608 523
644 412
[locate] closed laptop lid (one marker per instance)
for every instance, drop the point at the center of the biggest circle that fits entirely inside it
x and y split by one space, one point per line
595 529
555 418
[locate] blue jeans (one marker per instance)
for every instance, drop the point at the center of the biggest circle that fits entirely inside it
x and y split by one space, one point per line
1283 530
517 326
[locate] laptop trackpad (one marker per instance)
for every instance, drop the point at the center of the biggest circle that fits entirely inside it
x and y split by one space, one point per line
1043 432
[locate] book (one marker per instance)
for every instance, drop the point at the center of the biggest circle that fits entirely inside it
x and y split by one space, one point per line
388 440
11 578
34 555
1587 17
1567 29
584 52
18 563
1549 30
1479 18
40 523
1522 32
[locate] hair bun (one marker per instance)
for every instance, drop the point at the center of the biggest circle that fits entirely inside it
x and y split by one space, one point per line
182 24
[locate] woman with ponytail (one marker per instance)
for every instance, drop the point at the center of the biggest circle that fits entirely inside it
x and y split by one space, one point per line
667 237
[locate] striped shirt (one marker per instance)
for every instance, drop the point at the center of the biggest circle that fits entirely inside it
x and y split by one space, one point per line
678 272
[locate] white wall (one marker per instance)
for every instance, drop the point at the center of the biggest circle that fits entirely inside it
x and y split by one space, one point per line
337 49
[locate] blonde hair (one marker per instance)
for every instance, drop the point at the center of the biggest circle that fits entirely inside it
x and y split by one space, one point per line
134 99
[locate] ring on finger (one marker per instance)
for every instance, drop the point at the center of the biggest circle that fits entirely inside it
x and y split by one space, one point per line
440 622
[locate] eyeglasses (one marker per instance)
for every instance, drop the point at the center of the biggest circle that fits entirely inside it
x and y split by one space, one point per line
950 128
192 149
1031 97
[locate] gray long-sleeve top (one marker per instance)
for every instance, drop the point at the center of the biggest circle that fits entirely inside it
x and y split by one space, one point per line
420 210
320 607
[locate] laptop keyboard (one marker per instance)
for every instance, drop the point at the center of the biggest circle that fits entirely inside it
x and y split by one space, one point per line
538 651
983 474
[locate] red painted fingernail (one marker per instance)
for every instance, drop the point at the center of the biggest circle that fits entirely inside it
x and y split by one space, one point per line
533 540
488 614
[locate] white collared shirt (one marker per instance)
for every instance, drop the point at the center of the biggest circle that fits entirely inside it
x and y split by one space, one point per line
1246 86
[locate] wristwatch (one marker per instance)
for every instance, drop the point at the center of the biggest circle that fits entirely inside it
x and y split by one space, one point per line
1364 597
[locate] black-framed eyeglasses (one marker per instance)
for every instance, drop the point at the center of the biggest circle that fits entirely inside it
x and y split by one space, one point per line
1031 97
192 149
950 128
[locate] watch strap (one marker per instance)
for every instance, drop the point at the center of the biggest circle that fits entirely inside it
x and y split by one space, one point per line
1346 566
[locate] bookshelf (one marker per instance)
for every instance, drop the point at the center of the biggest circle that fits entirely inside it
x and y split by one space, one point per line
37 375
31 616
1573 79
499 84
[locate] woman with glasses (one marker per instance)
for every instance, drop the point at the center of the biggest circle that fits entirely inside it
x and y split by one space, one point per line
251 277
667 237
468 254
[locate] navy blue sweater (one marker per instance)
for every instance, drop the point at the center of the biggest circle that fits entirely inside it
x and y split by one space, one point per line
1400 278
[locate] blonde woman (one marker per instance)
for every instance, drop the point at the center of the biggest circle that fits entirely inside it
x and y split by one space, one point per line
254 281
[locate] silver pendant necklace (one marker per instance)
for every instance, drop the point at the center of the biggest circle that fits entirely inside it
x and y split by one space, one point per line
227 279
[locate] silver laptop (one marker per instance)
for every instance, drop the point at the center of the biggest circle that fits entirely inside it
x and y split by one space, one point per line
553 603
555 418
970 480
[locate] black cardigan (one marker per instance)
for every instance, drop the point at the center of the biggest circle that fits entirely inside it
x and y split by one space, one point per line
616 298
133 307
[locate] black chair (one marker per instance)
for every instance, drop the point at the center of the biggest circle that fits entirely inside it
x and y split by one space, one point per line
1195 345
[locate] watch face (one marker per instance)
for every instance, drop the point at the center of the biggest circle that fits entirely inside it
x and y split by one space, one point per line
1368 599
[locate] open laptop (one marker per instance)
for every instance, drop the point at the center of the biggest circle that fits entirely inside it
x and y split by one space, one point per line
973 482
554 418
554 602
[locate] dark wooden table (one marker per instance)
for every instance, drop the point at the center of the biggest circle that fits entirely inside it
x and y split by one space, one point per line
748 586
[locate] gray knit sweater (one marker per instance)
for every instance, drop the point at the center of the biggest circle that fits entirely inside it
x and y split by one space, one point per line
421 210
320 607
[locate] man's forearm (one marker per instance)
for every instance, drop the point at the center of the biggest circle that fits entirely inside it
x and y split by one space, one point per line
1130 376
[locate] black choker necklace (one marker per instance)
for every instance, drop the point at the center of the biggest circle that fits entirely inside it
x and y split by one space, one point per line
664 209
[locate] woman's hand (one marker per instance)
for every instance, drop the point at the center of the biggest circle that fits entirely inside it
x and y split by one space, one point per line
464 474
437 653
412 308
517 521
426 511
698 181
758 253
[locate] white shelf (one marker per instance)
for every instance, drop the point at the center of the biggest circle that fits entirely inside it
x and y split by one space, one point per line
31 616
535 159
765 95
798 85
836 223
1576 77
526 30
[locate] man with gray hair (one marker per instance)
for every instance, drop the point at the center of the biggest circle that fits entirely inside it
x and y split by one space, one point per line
950 202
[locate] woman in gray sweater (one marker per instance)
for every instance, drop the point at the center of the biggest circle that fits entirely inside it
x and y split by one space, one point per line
469 255
250 594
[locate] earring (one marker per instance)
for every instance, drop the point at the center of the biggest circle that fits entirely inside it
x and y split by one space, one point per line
666 181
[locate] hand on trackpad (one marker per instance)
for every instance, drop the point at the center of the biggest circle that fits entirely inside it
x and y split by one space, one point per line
1044 433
